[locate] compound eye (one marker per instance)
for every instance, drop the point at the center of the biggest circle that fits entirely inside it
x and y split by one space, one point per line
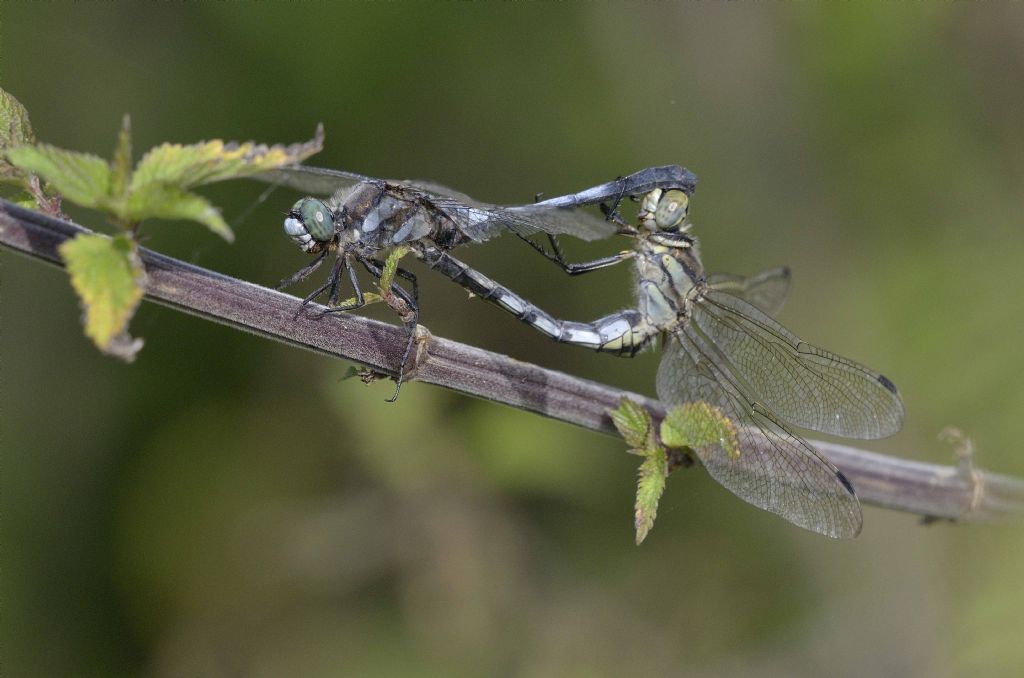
310 224
317 219
671 211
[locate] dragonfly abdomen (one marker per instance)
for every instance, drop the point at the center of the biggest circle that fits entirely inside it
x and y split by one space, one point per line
623 333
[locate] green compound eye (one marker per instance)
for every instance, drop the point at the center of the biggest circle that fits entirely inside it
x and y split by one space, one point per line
317 219
310 224
671 211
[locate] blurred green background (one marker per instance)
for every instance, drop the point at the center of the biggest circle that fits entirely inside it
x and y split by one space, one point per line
226 506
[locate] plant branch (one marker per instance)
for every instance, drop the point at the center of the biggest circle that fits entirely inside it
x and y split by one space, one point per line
930 490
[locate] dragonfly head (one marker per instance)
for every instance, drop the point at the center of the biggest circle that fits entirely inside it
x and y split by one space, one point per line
310 223
664 211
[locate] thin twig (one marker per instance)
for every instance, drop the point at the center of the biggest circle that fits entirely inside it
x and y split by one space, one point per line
930 490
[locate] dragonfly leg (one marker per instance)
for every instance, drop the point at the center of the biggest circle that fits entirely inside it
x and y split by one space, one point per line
302 273
401 273
331 284
411 318
310 297
611 213
358 301
401 302
335 280
558 257
408 275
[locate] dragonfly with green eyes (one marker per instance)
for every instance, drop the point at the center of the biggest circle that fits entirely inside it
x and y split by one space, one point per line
722 346
373 222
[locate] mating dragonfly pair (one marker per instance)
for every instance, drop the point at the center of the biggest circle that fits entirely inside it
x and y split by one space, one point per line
721 343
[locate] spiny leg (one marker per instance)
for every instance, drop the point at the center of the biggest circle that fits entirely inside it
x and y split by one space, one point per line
394 295
400 301
352 303
402 273
411 318
611 213
358 301
332 299
576 268
331 284
303 272
408 275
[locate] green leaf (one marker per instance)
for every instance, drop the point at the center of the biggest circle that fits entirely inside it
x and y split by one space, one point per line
170 202
158 187
108 277
209 161
15 130
649 488
636 427
80 177
696 424
634 424
689 426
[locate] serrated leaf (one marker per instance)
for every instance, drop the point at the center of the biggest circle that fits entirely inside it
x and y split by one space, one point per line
649 488
696 424
158 185
170 202
80 177
108 277
121 165
633 423
209 161
15 130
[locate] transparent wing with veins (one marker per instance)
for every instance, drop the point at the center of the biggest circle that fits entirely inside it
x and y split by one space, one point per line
803 384
774 469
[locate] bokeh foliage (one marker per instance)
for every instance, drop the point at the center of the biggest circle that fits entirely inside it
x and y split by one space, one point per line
227 506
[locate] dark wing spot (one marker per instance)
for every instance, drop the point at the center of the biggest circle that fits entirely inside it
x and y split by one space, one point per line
846 483
884 381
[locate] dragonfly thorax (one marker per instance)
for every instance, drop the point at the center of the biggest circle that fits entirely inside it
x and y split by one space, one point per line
671 278
310 223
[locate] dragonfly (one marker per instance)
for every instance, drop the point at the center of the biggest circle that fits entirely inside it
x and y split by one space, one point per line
373 222
721 345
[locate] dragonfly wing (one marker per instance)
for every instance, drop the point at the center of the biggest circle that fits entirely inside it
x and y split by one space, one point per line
480 221
767 290
439 190
774 469
533 219
805 385
312 180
